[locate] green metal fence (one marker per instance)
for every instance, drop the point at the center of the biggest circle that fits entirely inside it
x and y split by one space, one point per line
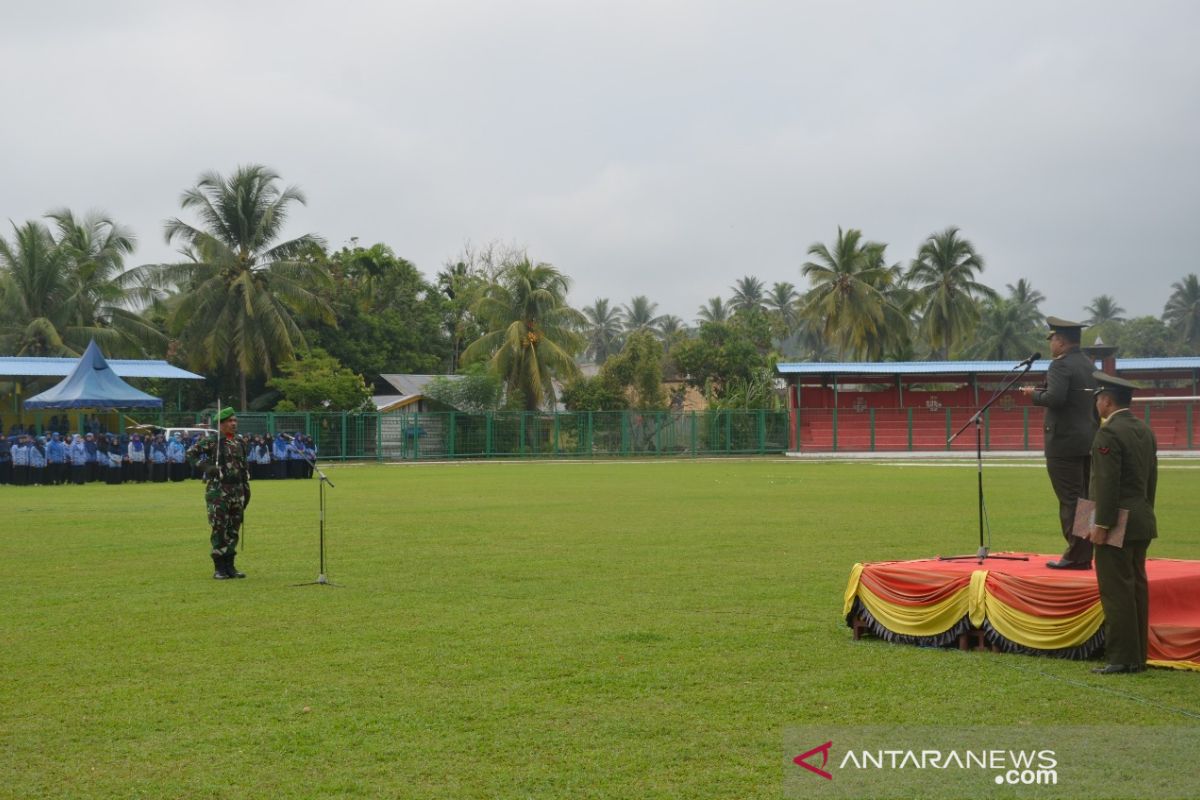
584 434
454 435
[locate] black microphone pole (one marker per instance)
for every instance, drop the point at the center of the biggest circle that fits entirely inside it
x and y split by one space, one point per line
976 420
323 479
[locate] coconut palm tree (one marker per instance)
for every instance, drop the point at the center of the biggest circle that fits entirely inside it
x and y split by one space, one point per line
461 284
943 278
34 287
602 329
848 303
748 293
1023 292
1104 309
105 298
713 311
57 294
640 316
1005 331
243 288
531 333
782 308
671 327
1182 311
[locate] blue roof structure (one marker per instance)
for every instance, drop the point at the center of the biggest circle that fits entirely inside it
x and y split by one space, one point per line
92 384
20 367
923 368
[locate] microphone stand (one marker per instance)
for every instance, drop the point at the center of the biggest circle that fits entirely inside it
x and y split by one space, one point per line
321 579
977 420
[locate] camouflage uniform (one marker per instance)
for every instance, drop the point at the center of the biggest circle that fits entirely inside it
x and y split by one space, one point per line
225 495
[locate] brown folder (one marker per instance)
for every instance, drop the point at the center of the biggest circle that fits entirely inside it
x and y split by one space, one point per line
1085 517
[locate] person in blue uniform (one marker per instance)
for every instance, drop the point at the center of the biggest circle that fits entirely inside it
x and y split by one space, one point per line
279 455
116 460
175 455
135 459
79 460
5 461
56 459
96 467
309 452
20 461
158 459
37 462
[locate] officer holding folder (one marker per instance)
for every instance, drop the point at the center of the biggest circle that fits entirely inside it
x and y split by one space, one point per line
1124 480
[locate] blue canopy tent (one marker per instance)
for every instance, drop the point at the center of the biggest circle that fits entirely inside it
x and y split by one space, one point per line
92 384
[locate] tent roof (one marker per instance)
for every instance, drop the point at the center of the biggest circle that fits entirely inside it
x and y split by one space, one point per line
92 384
20 367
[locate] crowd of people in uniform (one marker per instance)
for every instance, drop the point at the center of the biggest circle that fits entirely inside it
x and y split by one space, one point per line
54 458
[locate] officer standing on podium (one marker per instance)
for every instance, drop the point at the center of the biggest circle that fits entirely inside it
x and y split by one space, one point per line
1068 431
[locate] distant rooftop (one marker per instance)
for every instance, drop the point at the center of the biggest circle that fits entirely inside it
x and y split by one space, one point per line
849 368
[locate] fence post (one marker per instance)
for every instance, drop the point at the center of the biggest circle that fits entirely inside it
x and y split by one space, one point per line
1025 425
987 430
762 431
378 437
949 431
1189 425
871 412
835 429
343 435
450 443
556 433
487 434
910 429
695 436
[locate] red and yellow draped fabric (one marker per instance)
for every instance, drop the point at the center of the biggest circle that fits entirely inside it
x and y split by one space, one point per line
1022 605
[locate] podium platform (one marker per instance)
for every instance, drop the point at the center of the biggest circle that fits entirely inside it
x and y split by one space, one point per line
1018 606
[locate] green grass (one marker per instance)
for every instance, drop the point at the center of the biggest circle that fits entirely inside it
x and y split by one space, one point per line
508 630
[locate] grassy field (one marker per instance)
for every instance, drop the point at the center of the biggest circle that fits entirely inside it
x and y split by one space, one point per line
509 630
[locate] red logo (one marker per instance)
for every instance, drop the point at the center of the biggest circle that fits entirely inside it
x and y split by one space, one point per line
824 751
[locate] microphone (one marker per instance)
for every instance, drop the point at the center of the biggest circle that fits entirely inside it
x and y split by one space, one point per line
1029 361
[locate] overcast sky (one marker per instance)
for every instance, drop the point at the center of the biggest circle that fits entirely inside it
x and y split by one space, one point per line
656 148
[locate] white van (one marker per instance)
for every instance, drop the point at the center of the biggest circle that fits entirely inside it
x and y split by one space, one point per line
187 433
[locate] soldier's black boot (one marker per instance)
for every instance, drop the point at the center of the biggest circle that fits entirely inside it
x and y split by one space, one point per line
219 563
230 569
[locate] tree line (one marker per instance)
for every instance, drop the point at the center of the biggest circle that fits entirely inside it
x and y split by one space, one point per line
295 324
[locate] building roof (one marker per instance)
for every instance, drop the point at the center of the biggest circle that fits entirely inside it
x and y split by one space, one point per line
406 384
920 368
21 367
408 389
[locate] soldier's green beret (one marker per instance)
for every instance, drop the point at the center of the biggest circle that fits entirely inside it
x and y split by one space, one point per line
1121 389
226 413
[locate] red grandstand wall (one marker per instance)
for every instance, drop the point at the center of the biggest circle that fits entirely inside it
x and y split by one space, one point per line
884 418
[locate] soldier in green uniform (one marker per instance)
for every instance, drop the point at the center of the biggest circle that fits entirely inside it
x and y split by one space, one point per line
1124 476
226 492
1068 431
